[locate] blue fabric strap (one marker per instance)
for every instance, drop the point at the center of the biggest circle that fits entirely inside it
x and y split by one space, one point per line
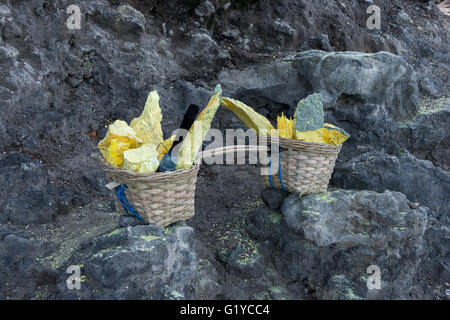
279 170
120 192
270 171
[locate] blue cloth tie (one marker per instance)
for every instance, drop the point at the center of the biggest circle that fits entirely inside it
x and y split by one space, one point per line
279 170
120 192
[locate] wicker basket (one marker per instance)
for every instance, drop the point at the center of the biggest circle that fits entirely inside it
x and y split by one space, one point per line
160 198
164 198
305 168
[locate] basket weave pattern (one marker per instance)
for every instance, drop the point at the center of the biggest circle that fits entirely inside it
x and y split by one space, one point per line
306 167
160 198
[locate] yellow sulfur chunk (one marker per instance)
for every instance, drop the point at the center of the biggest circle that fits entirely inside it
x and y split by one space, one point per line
249 116
119 138
310 136
148 125
164 147
285 127
115 151
333 135
142 160
194 138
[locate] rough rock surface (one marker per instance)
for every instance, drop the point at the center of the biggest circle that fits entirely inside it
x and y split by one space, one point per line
427 136
418 179
142 262
326 242
31 196
18 254
60 88
363 77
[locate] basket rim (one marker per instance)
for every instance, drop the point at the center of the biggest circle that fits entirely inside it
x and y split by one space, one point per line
310 146
153 175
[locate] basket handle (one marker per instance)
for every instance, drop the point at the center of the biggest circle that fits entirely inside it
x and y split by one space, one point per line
230 149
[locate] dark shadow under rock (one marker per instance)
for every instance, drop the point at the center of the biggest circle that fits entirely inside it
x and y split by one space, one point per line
273 197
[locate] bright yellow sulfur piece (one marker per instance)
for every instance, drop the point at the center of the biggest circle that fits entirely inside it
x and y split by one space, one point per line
333 135
249 116
142 160
148 125
119 138
194 138
164 147
285 127
310 136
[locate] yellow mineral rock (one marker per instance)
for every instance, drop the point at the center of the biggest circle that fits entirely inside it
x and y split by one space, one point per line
194 138
119 138
142 160
249 116
285 127
148 125
333 135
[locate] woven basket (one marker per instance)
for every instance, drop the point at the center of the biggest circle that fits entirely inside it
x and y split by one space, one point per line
163 198
306 167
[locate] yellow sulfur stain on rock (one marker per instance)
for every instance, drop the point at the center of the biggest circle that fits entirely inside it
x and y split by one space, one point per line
194 138
148 125
119 138
249 116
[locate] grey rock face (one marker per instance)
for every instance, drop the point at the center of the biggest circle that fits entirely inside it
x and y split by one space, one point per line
204 284
428 87
343 76
354 218
436 261
283 27
338 287
125 20
371 128
319 42
418 179
60 88
205 9
402 16
363 76
4 138
4 11
201 51
428 136
27 196
19 255
328 241
142 262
